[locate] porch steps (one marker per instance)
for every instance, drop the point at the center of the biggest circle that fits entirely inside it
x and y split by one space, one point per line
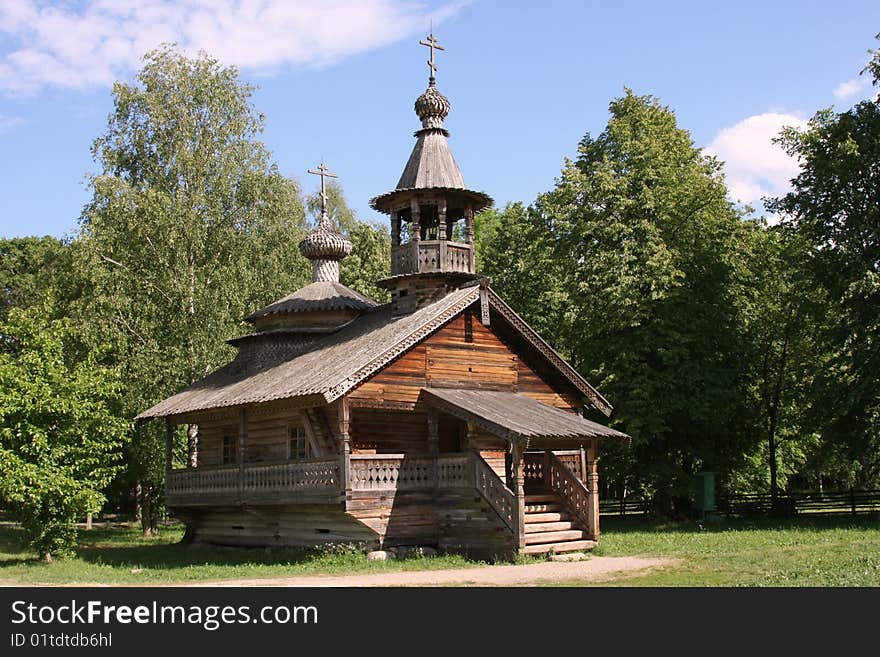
549 528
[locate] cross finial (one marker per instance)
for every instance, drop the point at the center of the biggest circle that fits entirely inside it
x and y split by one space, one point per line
433 45
324 172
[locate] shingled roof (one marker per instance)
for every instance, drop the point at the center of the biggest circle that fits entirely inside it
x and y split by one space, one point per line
517 417
316 297
338 362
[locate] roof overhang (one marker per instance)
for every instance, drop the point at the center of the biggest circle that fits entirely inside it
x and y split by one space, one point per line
517 417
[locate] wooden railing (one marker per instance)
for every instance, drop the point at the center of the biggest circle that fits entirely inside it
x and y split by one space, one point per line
454 471
431 256
402 472
500 497
575 496
292 475
202 480
391 472
315 474
533 465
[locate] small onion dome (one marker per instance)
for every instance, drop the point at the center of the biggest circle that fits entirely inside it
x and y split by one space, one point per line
432 107
324 243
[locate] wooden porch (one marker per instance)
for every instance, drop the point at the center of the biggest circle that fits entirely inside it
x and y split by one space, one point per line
544 500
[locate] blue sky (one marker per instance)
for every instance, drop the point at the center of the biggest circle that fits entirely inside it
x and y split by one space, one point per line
337 81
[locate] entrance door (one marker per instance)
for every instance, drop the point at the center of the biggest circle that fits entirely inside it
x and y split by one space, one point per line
452 432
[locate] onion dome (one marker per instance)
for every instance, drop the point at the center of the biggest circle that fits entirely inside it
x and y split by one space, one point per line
324 243
432 108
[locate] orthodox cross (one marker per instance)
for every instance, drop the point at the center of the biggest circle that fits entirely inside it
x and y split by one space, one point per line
324 172
433 45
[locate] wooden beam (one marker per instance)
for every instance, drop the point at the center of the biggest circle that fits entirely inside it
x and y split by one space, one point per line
519 489
593 486
169 443
344 447
242 448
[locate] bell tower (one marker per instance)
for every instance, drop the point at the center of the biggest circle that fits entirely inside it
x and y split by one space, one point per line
431 210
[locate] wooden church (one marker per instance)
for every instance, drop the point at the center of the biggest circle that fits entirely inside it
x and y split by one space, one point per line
439 419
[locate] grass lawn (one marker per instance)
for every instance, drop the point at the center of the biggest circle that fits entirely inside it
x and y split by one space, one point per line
108 556
796 552
763 552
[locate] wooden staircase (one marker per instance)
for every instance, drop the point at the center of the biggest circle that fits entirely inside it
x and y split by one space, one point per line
550 528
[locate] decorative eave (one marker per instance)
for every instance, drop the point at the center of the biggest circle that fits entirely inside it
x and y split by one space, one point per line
390 201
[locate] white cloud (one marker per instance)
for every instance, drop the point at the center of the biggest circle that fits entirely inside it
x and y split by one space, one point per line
851 88
754 166
93 43
7 123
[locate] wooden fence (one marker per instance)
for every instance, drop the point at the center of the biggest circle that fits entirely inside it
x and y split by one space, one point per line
851 502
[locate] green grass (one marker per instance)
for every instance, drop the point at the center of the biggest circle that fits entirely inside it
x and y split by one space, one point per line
108 556
795 552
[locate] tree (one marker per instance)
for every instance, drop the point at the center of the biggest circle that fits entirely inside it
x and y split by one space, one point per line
190 228
778 303
636 246
834 207
60 430
29 268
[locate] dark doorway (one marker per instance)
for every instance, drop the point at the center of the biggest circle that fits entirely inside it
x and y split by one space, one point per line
452 432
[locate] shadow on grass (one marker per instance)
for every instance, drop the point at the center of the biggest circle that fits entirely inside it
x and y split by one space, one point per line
649 524
124 547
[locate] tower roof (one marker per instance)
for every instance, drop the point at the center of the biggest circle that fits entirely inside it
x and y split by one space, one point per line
431 165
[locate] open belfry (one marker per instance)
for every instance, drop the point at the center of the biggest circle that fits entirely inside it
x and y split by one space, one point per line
440 419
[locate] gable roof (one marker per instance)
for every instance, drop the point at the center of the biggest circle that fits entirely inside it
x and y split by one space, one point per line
338 362
515 416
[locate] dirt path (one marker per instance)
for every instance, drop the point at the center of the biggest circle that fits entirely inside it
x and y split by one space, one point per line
595 569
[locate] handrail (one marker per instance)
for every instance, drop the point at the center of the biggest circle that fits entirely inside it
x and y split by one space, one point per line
575 496
500 497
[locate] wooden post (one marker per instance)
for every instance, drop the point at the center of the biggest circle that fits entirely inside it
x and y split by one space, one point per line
416 233
344 448
169 443
395 228
545 471
593 486
582 475
518 488
434 442
242 450
469 227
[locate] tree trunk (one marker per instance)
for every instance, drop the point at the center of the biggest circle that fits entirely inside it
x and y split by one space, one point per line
45 557
773 418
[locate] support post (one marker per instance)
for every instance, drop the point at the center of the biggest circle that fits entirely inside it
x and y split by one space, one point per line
344 449
593 486
469 227
518 488
169 444
416 233
434 442
395 228
242 450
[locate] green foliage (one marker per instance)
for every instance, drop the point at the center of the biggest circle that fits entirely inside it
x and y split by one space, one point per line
370 260
629 267
190 228
834 208
29 268
60 432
